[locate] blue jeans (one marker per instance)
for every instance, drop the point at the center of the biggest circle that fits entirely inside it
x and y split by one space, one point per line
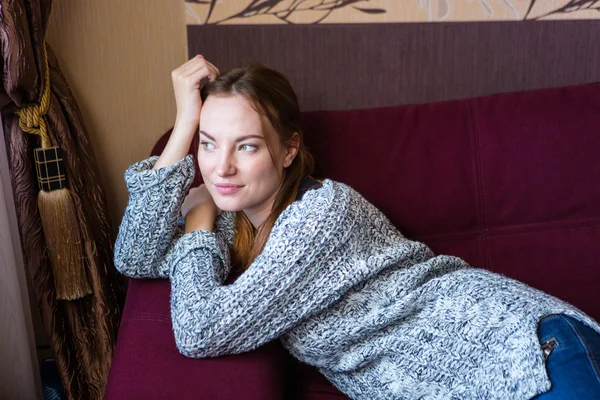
573 358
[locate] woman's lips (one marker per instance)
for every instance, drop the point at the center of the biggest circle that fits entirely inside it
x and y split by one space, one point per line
227 189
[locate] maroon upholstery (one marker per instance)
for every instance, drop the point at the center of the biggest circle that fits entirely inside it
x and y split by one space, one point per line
510 183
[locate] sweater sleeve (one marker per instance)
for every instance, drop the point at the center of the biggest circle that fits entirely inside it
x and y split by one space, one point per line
152 221
297 274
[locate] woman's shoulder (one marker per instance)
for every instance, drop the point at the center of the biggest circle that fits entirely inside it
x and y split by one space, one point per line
344 199
312 190
326 197
335 190
321 209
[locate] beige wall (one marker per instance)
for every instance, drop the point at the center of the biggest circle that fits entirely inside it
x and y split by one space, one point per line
117 57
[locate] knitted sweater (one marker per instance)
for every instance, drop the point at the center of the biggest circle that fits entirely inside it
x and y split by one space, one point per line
379 315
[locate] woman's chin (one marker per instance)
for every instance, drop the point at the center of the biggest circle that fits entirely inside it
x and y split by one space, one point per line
223 206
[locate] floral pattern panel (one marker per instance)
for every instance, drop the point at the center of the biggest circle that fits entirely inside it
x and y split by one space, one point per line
245 12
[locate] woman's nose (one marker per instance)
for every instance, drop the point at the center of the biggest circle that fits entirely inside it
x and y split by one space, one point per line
226 165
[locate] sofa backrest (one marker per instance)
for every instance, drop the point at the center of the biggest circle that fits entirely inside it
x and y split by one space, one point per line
510 183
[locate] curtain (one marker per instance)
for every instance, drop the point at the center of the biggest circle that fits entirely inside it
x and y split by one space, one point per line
82 331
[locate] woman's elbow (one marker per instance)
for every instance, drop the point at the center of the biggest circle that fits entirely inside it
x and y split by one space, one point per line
192 344
120 265
187 350
136 266
190 347
124 266
121 259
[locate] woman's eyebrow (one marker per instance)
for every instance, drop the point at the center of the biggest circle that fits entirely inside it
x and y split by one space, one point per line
207 135
240 139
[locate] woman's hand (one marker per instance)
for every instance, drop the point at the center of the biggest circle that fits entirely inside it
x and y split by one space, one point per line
187 82
199 210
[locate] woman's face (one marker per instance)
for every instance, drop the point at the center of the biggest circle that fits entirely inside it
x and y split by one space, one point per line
234 159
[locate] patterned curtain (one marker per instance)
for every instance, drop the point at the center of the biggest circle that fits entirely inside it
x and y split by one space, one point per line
81 330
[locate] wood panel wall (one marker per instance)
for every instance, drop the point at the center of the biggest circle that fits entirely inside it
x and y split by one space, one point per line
349 66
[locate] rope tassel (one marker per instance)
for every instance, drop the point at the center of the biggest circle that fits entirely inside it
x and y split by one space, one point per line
55 203
60 225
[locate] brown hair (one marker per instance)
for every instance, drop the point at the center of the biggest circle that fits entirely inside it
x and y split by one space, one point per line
270 93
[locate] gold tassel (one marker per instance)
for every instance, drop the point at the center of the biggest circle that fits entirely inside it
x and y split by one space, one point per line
57 210
58 213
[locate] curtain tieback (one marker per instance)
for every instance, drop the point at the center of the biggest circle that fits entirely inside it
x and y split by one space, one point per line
56 202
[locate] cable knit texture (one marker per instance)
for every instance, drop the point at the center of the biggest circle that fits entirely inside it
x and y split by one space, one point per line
379 315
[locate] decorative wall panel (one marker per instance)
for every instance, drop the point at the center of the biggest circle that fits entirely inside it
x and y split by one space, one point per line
245 12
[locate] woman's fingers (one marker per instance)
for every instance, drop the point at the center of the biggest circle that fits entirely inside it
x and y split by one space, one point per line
187 79
192 63
200 71
195 78
214 69
204 69
189 67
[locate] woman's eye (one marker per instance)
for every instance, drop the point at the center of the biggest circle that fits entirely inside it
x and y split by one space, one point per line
247 147
207 145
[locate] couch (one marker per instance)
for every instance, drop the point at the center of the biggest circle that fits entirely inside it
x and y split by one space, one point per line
510 183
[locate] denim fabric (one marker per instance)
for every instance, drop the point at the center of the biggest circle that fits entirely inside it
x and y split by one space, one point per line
573 358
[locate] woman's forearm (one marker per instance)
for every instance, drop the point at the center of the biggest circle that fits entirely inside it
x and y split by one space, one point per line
200 218
178 145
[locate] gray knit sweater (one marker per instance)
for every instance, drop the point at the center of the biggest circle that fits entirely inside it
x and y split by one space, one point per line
379 315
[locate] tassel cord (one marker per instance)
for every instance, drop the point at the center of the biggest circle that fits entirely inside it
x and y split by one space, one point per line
31 118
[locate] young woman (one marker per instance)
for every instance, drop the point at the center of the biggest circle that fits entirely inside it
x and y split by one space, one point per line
322 269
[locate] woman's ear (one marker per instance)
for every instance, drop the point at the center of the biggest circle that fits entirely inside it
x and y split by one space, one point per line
293 145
